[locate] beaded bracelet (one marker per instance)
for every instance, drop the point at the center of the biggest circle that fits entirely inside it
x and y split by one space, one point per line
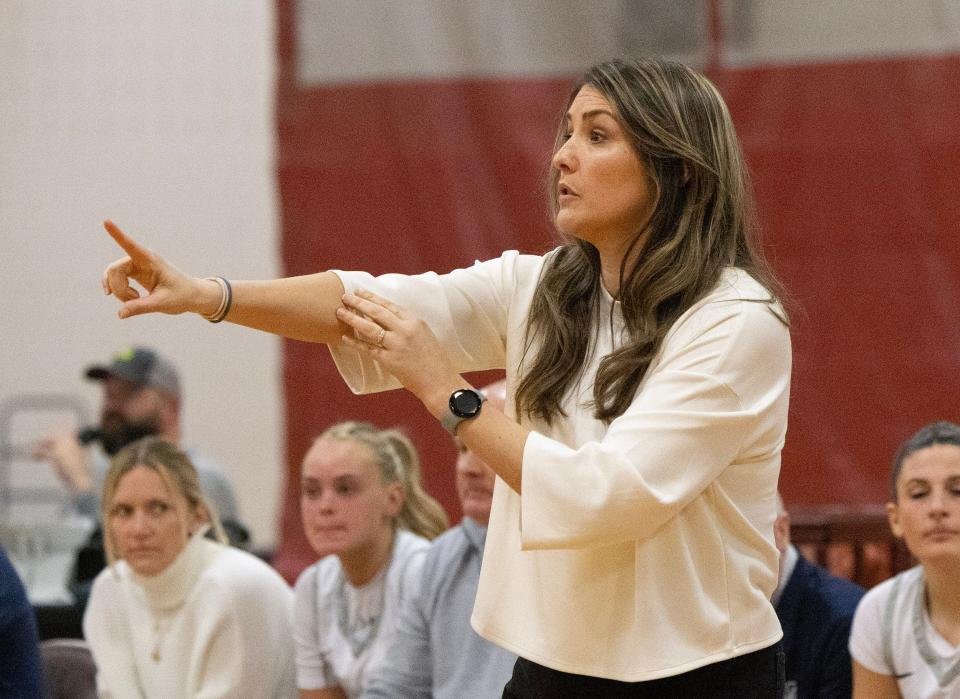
226 300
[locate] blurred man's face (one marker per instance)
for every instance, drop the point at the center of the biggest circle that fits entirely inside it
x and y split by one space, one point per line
474 485
130 411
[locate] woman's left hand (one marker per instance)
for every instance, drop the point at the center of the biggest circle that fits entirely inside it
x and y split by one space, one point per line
403 343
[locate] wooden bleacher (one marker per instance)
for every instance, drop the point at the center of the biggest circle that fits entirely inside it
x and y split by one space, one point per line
851 541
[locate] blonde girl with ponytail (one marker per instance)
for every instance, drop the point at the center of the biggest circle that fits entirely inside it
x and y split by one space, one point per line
365 512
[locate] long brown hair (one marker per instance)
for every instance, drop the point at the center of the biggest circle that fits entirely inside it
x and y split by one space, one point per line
701 222
397 460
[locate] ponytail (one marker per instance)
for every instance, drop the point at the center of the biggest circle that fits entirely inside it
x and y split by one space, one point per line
421 514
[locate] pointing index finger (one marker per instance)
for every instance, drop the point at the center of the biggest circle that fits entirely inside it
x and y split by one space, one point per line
129 245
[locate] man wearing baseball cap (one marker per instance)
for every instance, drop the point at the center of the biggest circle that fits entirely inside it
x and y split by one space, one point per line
141 397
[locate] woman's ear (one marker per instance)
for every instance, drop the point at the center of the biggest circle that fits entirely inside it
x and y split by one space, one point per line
198 518
893 516
395 498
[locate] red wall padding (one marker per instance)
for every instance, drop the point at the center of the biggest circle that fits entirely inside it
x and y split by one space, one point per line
856 171
856 168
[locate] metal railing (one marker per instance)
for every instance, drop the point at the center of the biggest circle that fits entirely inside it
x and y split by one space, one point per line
12 451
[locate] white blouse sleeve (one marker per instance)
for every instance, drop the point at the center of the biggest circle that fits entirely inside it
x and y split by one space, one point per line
716 396
467 309
107 632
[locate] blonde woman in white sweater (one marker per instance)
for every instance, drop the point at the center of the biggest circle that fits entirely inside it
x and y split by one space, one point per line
176 614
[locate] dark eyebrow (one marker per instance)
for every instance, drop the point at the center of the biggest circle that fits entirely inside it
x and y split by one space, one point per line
596 112
592 113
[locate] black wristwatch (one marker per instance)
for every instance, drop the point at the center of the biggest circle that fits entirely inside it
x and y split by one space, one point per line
465 404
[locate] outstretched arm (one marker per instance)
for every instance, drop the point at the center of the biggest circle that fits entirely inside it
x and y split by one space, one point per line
69 459
302 308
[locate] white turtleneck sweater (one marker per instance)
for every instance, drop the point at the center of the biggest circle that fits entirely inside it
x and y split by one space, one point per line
216 623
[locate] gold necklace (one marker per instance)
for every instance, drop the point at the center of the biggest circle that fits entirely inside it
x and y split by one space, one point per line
158 634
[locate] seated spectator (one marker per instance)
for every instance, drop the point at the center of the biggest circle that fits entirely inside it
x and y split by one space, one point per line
141 398
20 666
176 614
906 632
434 651
362 502
815 610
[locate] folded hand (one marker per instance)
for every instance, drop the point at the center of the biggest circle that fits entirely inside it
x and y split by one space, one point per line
403 343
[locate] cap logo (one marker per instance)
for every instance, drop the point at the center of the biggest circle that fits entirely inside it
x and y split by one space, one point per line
124 355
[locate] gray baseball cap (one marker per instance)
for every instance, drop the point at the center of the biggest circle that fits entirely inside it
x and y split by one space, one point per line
141 366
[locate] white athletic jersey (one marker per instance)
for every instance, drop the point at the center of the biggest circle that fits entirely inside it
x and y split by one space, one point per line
892 635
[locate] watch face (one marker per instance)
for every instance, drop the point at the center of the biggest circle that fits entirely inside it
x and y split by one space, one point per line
465 403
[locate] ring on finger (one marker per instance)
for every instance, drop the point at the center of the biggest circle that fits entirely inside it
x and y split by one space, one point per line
380 335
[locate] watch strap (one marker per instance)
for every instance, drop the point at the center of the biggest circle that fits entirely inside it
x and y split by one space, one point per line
450 421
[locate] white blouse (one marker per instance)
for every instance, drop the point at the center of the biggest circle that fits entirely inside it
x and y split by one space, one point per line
639 549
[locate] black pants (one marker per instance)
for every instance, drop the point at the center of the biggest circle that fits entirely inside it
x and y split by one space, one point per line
757 675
